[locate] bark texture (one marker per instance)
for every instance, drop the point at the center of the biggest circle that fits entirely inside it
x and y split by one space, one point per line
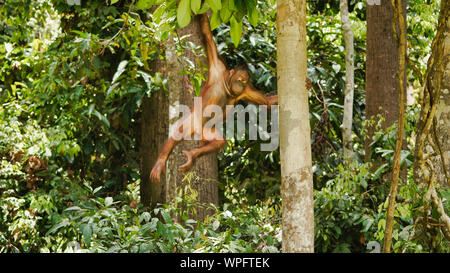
181 90
381 68
349 82
432 152
295 133
155 130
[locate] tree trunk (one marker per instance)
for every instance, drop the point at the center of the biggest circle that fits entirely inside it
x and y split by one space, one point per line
349 83
400 34
381 68
154 131
432 153
181 90
295 133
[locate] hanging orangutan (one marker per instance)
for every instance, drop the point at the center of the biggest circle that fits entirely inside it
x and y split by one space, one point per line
223 87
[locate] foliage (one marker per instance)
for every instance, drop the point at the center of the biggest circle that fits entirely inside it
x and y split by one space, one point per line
90 82
242 161
223 11
350 213
344 210
32 184
65 214
422 20
72 79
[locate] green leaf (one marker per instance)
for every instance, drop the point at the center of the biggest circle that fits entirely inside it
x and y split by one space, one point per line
142 4
196 5
367 224
90 109
231 5
120 70
111 88
101 118
166 217
404 156
73 208
241 9
108 201
215 5
235 31
184 13
364 183
253 16
114 1
380 170
190 221
97 189
82 34
445 199
204 8
64 223
144 216
215 20
225 14
120 20
162 230
170 236
381 224
86 230
147 79
158 13
163 248
215 225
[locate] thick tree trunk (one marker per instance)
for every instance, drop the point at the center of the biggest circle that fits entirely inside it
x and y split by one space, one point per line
181 90
295 133
381 68
382 88
154 131
400 32
432 164
349 83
